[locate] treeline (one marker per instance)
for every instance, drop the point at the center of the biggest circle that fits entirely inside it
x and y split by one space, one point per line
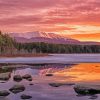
10 46
58 48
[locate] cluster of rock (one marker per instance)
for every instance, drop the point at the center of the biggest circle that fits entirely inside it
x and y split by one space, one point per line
19 78
16 88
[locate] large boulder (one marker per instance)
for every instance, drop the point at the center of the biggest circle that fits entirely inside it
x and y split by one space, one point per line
17 78
4 93
24 96
87 89
5 76
17 88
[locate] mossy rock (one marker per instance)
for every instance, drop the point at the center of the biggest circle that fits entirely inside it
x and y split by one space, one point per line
24 96
4 93
17 88
87 89
17 78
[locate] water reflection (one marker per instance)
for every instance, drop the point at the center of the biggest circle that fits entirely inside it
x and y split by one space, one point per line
82 72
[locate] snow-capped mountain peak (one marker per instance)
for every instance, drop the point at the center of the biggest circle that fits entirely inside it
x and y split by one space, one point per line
42 37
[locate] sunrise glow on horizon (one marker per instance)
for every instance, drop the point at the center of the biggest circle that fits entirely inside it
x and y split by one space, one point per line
79 19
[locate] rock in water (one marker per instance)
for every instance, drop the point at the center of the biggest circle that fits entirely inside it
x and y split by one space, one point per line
87 89
55 84
24 96
17 88
49 74
17 78
29 79
5 76
27 76
60 84
4 93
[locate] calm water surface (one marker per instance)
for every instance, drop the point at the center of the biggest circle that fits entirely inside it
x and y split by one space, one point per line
41 90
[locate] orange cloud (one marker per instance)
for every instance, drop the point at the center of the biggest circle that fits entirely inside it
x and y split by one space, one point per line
85 37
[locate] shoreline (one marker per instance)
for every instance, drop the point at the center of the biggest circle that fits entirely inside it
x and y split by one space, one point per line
53 58
23 55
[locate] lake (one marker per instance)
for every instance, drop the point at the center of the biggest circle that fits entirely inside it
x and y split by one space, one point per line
40 89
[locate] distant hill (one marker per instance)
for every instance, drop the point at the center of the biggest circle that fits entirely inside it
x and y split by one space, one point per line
29 37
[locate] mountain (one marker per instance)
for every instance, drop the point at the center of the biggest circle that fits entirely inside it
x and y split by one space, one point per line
42 37
29 37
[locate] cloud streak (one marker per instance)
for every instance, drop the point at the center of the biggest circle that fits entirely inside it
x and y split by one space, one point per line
48 15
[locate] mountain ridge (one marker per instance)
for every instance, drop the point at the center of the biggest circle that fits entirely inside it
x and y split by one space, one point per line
36 36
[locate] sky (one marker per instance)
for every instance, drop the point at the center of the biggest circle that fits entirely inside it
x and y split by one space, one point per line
67 17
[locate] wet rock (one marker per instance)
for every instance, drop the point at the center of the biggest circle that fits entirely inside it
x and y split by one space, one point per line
4 93
29 79
27 76
5 76
87 89
49 74
24 96
31 84
17 78
93 97
55 84
60 84
17 88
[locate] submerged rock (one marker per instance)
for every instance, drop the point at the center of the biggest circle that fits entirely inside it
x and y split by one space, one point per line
29 79
24 96
17 88
49 74
60 84
55 84
5 76
87 89
93 97
4 93
27 76
17 78
31 84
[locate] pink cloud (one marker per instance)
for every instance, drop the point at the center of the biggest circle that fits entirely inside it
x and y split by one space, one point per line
44 13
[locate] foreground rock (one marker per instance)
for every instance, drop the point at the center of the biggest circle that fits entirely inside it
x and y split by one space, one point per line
4 93
17 88
5 76
17 78
60 84
24 96
87 89
27 77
